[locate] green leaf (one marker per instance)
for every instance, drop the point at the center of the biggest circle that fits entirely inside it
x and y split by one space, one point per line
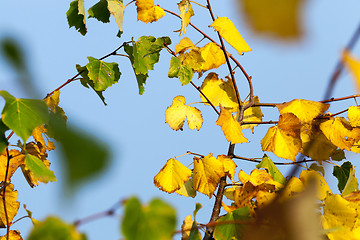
338 155
194 232
100 11
13 53
84 156
342 174
232 230
152 222
3 141
38 169
174 67
54 228
317 168
75 18
351 184
86 82
184 73
272 169
103 74
116 8
23 115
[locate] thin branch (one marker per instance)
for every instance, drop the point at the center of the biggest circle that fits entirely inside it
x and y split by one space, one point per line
276 163
198 4
208 101
196 154
4 191
340 99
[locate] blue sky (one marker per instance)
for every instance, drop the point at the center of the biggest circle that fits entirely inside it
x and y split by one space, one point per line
134 126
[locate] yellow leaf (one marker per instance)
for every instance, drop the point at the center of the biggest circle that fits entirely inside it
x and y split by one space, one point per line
148 12
284 139
294 186
258 177
354 116
207 174
13 235
352 184
353 65
186 227
187 189
177 113
16 160
228 31
323 189
219 92
186 12
172 176
229 192
192 59
184 45
314 143
245 194
340 218
340 132
12 206
116 8
230 127
252 114
305 110
213 55
229 165
53 100
263 198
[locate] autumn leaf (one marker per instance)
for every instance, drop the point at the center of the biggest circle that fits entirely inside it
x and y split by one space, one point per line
271 169
193 59
184 45
213 56
3 140
353 66
12 205
292 188
354 116
102 74
183 72
116 8
13 235
340 132
284 139
219 92
228 31
38 170
177 113
305 110
172 176
252 114
280 18
230 127
207 174
258 177
229 165
323 189
76 16
342 174
187 189
352 184
147 12
186 12
16 160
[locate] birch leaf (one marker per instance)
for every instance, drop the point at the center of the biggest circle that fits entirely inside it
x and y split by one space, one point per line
229 165
354 116
252 114
230 127
353 66
186 12
116 8
147 12
213 56
12 205
228 31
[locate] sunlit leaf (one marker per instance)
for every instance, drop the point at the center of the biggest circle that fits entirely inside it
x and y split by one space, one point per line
219 92
192 59
305 110
3 141
354 116
353 65
252 114
186 12
55 229
207 174
292 188
183 72
177 113
147 12
228 31
342 174
272 169
76 16
280 18
233 229
13 235
186 227
155 221
184 45
102 74
258 177
340 132
229 165
34 221
230 127
39 171
23 115
187 189
12 205
284 139
213 56
323 189
351 184
116 8
100 11
172 176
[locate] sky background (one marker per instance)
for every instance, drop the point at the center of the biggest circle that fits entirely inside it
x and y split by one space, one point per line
134 126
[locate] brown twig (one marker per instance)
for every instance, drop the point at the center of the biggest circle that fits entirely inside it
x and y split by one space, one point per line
256 160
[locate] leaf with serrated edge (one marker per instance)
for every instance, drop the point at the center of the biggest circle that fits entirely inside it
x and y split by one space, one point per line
39 171
305 110
176 114
184 45
230 127
228 31
268 164
13 235
12 205
213 55
207 174
229 165
354 116
172 176
147 12
103 74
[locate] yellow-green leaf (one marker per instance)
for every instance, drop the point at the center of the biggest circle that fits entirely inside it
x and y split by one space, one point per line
230 127
172 176
148 12
177 113
323 189
186 12
228 31
116 8
184 45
